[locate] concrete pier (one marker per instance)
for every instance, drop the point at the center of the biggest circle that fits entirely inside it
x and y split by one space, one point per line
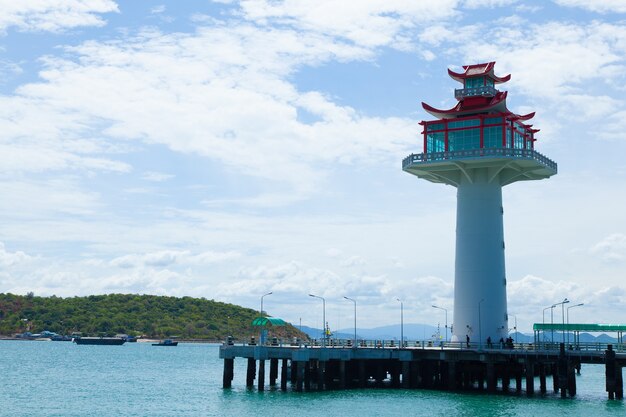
450 368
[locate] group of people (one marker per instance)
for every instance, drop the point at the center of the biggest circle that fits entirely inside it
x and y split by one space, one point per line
504 344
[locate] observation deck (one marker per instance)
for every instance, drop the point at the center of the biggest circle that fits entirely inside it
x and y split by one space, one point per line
486 91
509 165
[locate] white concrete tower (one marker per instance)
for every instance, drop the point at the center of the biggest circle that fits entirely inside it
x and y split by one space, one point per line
479 146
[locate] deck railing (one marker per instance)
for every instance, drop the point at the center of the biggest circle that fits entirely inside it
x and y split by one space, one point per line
478 153
441 345
475 91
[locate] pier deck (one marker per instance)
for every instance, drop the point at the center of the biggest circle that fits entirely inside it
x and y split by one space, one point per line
446 367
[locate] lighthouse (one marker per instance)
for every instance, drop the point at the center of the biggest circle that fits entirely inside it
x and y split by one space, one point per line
479 146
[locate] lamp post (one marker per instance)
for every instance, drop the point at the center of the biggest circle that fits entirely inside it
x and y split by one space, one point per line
552 322
269 293
543 321
441 308
515 328
575 305
354 301
323 317
562 303
480 327
401 322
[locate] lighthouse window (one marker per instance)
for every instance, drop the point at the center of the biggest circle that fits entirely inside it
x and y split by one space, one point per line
474 82
435 142
434 126
464 123
519 141
460 140
492 137
493 120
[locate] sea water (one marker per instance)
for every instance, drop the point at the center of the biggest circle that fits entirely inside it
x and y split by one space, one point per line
137 379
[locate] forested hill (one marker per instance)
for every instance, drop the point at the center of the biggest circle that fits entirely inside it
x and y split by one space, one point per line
149 315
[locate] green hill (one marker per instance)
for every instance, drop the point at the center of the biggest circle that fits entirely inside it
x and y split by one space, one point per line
149 315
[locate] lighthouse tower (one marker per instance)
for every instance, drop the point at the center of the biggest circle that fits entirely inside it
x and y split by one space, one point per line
479 146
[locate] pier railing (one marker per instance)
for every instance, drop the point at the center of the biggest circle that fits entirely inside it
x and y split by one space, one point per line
432 344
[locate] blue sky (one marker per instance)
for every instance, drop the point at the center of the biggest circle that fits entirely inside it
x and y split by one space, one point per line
225 149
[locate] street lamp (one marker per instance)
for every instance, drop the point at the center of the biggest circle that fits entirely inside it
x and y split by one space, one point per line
354 301
480 328
269 293
441 308
562 303
401 322
552 322
543 321
323 317
575 305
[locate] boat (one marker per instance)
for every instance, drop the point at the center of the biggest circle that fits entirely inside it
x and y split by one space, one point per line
166 342
99 340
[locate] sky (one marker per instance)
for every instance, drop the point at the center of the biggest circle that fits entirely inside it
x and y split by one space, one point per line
227 149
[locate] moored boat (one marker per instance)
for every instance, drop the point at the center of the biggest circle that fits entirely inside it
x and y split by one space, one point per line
99 341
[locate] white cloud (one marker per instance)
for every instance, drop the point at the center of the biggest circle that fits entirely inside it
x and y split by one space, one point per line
601 6
53 15
370 23
228 102
168 257
156 176
8 259
475 4
612 248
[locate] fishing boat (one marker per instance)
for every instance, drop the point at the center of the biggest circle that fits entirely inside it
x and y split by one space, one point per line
166 342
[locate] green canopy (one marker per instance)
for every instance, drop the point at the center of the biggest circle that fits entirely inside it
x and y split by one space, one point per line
578 327
268 321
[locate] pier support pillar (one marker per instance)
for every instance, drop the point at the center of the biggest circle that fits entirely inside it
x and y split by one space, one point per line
321 375
342 374
506 377
571 379
299 374
518 380
395 374
250 373
556 378
309 369
228 373
283 375
362 374
491 377
530 378
542 378
273 371
261 380
611 374
406 374
294 372
452 372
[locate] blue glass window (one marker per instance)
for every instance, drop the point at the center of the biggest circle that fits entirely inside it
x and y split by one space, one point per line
464 123
460 140
493 120
474 82
492 137
435 142
435 126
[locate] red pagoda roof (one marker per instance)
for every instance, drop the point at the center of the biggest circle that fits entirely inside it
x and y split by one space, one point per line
478 70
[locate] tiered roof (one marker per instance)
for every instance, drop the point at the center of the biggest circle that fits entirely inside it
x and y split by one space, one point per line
476 104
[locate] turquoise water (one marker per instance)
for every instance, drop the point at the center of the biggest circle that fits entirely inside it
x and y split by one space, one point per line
137 379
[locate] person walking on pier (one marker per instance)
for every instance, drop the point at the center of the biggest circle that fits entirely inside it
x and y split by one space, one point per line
467 340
